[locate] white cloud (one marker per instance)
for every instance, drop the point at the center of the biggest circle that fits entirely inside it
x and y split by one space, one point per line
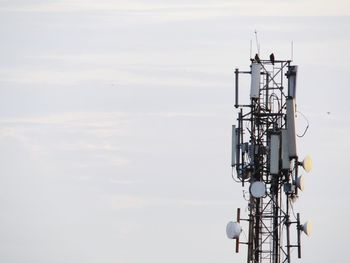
81 133
108 76
96 120
181 10
126 182
77 138
122 201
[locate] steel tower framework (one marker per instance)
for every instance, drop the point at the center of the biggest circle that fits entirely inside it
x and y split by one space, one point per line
264 158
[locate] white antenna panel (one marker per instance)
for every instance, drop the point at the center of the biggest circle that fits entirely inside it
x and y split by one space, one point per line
274 153
234 146
284 150
292 146
292 81
255 81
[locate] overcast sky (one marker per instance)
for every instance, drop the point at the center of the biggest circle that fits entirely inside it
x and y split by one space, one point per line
115 122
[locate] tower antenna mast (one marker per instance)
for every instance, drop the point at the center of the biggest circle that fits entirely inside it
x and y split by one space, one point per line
265 160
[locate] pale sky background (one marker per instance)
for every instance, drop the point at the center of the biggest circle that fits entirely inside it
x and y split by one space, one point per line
115 122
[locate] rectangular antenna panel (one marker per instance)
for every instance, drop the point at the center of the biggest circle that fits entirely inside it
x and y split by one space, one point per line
234 146
255 81
284 151
292 81
274 153
291 138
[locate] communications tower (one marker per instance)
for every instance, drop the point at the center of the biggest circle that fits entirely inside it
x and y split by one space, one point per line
265 162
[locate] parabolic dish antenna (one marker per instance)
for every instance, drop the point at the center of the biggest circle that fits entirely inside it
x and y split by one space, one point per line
307 164
233 230
257 189
300 182
307 228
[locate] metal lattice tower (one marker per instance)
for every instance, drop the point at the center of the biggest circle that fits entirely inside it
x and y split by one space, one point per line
264 158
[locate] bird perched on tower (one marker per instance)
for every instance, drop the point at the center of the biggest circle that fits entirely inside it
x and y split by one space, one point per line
272 59
256 58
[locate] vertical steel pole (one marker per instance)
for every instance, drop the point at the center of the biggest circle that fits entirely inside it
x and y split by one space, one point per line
298 234
238 220
287 229
275 237
267 92
236 88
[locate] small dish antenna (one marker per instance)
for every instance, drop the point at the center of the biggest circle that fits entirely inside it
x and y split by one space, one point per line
307 164
300 182
307 228
257 189
233 230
